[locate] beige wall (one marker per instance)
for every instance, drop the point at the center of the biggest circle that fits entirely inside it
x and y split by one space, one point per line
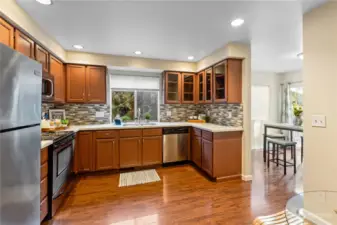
126 61
320 85
17 15
215 57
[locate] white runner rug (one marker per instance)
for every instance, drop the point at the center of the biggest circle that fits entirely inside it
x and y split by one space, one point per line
138 177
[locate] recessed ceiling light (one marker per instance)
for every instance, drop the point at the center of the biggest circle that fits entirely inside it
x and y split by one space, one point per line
237 22
44 2
138 52
78 46
300 55
190 57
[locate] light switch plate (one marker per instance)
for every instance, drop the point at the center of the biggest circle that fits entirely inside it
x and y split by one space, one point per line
318 121
168 113
99 114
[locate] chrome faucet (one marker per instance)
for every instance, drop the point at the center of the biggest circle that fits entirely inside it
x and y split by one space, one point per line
139 115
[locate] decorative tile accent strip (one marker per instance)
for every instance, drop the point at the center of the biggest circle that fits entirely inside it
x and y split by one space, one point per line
179 112
220 114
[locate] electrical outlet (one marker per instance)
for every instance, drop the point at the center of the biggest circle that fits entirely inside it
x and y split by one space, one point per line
168 113
99 114
229 115
318 121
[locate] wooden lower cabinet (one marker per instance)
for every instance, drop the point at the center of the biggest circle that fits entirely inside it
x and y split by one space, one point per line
44 184
207 156
84 152
130 152
106 154
152 150
196 150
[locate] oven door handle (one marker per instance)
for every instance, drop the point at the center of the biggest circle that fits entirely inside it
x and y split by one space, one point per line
62 147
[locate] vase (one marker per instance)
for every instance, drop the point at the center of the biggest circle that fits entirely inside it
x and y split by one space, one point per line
298 121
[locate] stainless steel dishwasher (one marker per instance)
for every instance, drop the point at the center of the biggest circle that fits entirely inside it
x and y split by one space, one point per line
175 144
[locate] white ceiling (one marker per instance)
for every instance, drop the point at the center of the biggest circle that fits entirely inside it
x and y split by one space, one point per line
175 30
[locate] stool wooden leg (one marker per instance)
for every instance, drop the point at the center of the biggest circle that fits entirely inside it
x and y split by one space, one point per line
294 149
268 145
274 151
284 160
277 154
264 145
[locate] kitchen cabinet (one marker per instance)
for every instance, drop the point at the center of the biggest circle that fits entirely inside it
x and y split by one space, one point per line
220 82
84 152
188 88
208 85
86 84
76 83
24 44
44 183
57 71
152 150
106 154
42 56
172 81
196 150
207 156
234 83
6 33
96 84
130 152
201 87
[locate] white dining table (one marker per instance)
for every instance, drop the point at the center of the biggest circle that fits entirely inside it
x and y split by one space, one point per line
280 126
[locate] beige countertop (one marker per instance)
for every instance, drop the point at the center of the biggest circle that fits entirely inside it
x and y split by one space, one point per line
46 144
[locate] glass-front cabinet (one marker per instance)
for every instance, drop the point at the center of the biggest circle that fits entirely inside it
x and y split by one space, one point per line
220 80
188 87
208 85
201 87
172 87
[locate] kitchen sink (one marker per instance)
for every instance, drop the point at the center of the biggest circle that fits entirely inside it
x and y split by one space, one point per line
139 125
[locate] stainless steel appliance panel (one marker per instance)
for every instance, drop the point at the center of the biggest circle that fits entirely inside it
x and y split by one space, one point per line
20 176
175 147
20 85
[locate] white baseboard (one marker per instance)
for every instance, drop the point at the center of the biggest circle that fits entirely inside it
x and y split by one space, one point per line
314 218
246 177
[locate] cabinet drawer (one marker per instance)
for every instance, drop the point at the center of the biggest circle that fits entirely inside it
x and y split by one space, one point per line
43 209
196 132
131 133
44 170
152 132
107 134
207 135
44 188
44 155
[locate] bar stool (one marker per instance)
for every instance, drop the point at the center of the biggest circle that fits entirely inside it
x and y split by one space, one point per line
273 136
283 144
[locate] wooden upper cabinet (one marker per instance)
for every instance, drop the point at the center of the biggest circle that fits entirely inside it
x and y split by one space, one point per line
209 85
24 44
220 82
57 71
42 56
76 83
172 87
106 154
201 87
84 152
234 83
207 156
96 84
130 152
152 152
188 87
6 33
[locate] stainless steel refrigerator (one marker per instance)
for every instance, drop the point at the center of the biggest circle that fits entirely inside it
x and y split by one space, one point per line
20 138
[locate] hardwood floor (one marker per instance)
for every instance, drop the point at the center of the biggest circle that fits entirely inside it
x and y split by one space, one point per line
183 196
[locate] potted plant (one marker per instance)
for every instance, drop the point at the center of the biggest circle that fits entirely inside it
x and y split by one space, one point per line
147 117
297 110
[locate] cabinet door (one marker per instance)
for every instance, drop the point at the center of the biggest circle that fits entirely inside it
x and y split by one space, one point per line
6 33
42 56
130 152
220 80
106 154
173 87
196 150
96 84
188 87
207 156
234 85
209 85
84 152
76 83
57 71
201 87
24 44
152 150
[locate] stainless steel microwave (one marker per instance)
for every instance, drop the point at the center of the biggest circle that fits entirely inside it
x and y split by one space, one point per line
47 88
